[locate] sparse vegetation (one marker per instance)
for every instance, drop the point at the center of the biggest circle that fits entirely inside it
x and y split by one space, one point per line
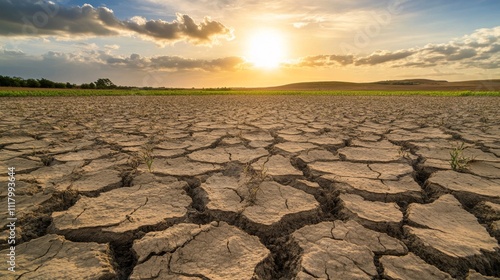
252 179
144 156
46 159
147 156
404 152
458 161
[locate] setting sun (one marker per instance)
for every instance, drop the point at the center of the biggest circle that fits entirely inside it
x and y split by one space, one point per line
266 49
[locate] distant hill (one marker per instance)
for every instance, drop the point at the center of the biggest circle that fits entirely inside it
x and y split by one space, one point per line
407 84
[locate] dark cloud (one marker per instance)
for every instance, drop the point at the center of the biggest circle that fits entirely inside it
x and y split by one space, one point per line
417 64
378 58
324 61
462 54
174 63
184 26
178 63
133 61
342 59
31 17
313 61
442 49
495 48
34 17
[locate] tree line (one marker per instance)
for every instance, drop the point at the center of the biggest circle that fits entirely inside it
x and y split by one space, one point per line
6 81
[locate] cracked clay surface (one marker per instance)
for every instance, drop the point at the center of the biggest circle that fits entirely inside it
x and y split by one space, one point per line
252 187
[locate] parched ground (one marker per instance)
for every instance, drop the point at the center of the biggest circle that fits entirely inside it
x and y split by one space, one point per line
251 187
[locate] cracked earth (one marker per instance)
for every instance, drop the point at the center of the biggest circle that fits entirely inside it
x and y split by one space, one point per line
252 187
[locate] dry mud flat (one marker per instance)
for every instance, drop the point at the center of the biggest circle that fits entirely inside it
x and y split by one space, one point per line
251 187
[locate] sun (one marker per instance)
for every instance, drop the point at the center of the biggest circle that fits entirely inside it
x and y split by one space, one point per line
266 49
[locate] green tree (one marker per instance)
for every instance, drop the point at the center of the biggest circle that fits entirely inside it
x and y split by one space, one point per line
6 81
18 82
104 84
44 83
32 83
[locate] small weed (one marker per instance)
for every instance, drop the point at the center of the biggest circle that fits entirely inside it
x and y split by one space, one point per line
252 181
147 156
46 159
404 152
458 161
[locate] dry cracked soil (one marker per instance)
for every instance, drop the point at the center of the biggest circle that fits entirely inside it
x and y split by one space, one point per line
251 187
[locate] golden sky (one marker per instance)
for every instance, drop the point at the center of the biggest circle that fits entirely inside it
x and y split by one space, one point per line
232 43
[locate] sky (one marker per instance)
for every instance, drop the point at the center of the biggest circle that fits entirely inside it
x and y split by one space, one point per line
253 43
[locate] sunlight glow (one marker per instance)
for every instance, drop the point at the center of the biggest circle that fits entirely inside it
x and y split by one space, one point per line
266 49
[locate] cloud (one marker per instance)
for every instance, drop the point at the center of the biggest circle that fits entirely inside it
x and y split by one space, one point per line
12 53
475 50
383 57
324 61
442 49
342 59
112 47
106 60
462 54
479 49
86 65
182 28
175 63
33 17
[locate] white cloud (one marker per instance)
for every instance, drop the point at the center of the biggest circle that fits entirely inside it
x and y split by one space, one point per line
479 49
112 47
